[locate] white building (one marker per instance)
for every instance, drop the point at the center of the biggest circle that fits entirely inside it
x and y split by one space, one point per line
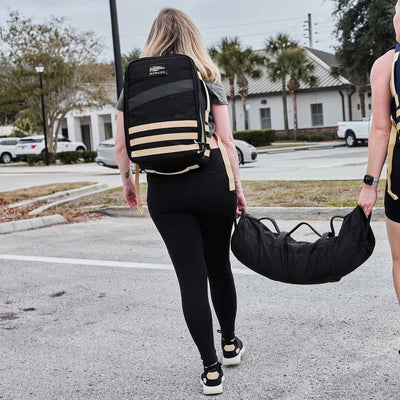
92 126
333 99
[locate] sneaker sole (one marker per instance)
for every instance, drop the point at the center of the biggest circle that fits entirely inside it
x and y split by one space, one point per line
233 360
209 390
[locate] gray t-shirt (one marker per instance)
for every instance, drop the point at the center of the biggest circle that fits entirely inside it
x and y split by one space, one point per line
215 90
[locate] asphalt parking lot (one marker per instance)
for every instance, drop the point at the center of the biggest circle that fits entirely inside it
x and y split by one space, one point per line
92 311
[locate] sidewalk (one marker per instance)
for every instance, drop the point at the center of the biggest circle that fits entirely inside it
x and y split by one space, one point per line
305 146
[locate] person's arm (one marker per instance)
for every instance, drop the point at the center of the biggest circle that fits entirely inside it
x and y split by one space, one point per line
124 163
223 131
380 127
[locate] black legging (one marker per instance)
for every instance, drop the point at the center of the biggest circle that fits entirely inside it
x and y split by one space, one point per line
194 213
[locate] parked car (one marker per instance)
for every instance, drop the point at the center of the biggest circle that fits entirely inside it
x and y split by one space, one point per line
8 148
35 145
245 151
106 153
354 131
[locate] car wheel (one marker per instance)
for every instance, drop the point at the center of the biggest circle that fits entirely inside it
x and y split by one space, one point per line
240 156
350 139
6 158
80 148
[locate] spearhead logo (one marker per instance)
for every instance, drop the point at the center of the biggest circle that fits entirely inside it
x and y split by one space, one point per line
156 70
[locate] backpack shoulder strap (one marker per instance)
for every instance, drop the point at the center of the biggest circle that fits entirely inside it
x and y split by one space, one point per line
395 117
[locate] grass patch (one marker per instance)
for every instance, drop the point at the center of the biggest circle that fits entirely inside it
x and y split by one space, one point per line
306 193
77 210
258 194
14 196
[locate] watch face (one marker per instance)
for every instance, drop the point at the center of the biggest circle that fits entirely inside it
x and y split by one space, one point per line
368 179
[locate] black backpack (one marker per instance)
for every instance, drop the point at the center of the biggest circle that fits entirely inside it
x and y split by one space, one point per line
166 109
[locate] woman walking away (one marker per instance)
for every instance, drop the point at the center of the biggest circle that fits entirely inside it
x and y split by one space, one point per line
194 211
384 141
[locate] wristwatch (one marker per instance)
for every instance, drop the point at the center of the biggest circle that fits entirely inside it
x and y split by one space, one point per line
370 180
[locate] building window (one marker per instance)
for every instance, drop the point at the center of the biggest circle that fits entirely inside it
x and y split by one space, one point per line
265 117
358 107
64 132
108 130
317 115
369 106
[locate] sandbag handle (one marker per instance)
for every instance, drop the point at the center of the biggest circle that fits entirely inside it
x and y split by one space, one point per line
243 213
273 222
342 216
305 223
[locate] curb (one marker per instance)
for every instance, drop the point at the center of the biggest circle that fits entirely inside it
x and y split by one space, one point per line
285 213
32 223
121 212
61 195
300 148
311 213
45 207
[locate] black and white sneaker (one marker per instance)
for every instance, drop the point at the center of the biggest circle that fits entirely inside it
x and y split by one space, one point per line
232 351
212 378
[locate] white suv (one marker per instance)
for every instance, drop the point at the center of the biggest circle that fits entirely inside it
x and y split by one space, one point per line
35 145
8 147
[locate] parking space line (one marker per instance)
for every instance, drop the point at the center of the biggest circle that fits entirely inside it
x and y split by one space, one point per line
103 263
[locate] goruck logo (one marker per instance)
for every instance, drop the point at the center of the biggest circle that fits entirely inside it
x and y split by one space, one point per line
156 70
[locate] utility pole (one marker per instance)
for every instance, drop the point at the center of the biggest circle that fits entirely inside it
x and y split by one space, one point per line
309 30
116 46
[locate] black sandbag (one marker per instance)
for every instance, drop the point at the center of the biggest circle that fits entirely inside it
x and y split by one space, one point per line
278 256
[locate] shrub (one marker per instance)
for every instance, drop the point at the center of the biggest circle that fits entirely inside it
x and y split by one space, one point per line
317 137
88 156
310 137
66 157
40 158
262 137
69 157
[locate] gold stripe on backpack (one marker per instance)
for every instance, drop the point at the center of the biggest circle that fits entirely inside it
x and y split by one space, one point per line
164 150
163 137
163 125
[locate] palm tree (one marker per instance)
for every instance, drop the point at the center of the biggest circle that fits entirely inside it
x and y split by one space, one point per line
226 54
299 68
248 66
276 71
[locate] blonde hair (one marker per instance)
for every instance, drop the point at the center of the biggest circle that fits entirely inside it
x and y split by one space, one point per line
173 32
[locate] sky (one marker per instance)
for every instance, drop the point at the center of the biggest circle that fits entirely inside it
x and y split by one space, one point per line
253 21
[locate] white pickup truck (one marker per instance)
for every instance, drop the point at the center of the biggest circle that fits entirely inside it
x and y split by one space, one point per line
354 131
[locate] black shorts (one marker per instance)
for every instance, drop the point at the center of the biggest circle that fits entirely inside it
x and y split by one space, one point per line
392 207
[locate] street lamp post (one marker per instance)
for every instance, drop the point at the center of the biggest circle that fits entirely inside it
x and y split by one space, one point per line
39 69
116 46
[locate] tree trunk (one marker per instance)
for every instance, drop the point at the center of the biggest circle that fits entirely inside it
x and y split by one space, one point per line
59 123
232 88
295 127
50 141
361 94
243 91
284 102
246 117
293 86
